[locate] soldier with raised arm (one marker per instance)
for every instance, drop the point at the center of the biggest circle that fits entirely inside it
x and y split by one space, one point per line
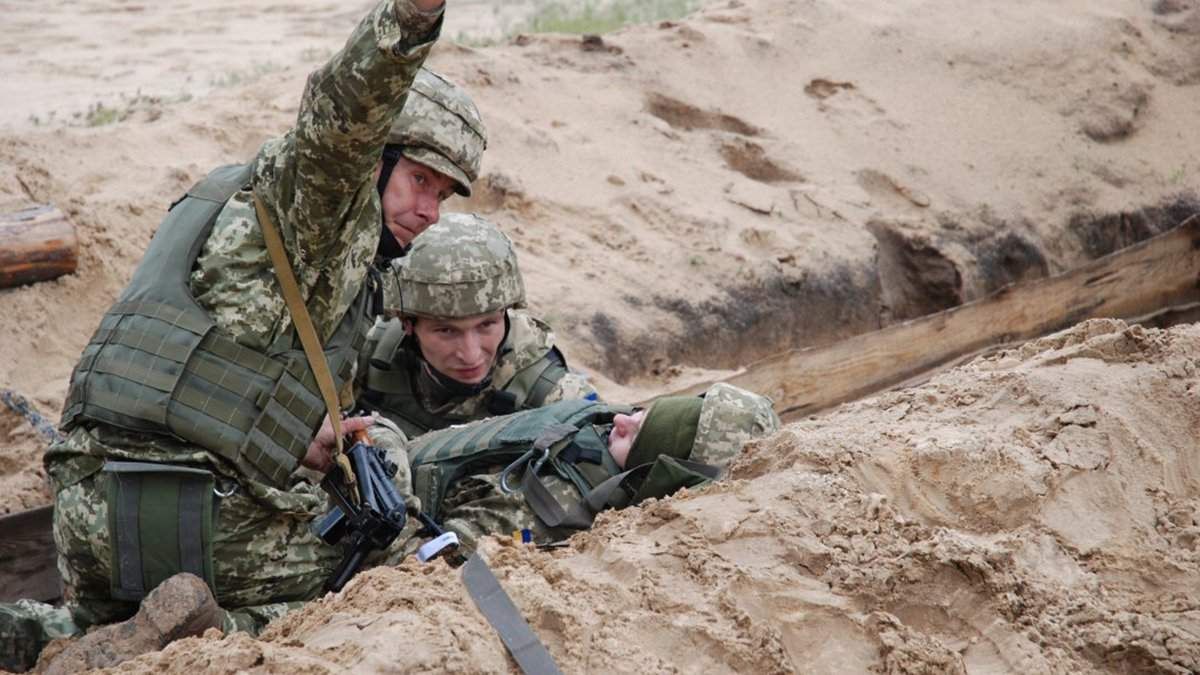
194 403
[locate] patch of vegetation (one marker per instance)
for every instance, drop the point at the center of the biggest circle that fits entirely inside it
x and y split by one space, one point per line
235 77
603 16
468 40
102 113
99 114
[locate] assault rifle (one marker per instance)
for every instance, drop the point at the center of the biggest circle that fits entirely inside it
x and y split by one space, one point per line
369 513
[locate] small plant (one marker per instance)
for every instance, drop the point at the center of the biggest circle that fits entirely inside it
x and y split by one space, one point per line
603 16
467 40
99 114
236 77
696 260
1178 174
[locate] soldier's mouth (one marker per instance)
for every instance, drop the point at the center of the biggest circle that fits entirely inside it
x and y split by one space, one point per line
402 234
470 374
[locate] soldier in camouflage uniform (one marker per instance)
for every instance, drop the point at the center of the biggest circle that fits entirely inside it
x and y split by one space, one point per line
550 470
461 349
193 405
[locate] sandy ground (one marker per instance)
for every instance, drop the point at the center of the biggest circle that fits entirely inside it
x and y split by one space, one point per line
687 197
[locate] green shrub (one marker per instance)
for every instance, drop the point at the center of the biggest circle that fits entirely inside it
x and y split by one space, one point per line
603 16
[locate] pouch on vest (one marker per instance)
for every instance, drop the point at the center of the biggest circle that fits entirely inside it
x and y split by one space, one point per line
160 523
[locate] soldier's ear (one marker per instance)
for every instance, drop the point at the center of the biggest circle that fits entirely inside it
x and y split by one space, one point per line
409 325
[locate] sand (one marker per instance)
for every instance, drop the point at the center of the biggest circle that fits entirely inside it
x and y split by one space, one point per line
689 196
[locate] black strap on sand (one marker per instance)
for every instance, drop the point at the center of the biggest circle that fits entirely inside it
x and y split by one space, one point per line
495 605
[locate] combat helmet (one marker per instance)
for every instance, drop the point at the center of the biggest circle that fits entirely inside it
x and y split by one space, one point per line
440 127
710 430
461 266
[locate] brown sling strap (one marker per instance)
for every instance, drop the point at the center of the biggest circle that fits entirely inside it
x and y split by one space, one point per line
304 328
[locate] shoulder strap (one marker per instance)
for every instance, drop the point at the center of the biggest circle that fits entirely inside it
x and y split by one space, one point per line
533 384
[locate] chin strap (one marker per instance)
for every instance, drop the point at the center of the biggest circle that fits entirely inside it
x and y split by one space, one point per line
389 246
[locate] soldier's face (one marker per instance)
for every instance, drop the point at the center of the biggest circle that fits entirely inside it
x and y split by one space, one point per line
462 349
625 429
412 199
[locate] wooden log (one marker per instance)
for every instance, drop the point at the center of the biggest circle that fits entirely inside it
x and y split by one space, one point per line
36 244
28 566
1146 279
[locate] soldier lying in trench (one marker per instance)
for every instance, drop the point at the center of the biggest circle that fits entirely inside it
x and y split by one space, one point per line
550 470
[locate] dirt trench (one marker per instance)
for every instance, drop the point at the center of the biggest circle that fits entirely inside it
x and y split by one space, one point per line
913 274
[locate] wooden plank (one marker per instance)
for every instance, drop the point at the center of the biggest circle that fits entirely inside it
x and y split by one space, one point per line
28 565
1158 274
36 244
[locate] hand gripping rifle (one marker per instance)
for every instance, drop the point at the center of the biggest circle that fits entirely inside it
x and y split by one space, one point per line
368 512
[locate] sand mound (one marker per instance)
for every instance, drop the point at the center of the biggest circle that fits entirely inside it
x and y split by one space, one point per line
1034 511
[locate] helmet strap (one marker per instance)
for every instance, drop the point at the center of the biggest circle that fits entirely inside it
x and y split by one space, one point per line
389 246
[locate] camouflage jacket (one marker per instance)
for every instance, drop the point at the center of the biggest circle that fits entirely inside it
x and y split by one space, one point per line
317 182
529 342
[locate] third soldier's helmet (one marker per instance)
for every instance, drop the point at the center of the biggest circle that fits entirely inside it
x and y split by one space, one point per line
440 127
711 430
461 266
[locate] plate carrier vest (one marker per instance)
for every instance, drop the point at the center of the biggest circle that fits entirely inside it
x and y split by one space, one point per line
158 363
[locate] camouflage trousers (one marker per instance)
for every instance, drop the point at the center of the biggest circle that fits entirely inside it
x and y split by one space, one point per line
263 556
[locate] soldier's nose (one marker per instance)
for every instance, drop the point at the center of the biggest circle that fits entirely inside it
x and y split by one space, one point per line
428 210
471 350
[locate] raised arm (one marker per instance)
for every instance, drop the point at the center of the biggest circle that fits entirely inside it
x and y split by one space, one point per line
314 176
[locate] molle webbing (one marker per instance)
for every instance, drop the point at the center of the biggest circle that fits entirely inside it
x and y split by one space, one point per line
158 364
441 458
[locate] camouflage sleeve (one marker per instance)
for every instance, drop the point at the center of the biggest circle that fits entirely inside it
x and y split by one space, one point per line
311 178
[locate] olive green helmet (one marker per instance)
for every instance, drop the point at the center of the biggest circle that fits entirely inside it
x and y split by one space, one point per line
711 430
440 127
461 266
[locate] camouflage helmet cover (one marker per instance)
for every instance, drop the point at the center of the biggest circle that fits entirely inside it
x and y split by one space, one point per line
461 266
729 417
440 127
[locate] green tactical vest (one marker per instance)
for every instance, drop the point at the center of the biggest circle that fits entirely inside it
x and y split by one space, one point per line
575 449
390 387
158 364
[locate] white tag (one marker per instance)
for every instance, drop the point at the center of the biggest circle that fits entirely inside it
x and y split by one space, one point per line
434 546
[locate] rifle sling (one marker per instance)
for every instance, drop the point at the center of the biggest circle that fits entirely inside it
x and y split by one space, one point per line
304 327
495 605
